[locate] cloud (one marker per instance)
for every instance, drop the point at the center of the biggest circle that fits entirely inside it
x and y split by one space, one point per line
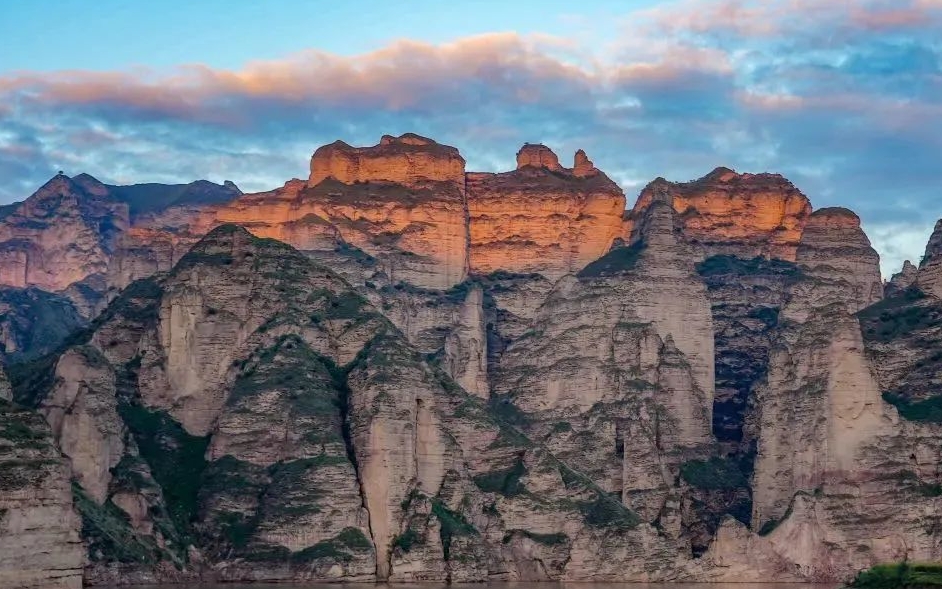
843 98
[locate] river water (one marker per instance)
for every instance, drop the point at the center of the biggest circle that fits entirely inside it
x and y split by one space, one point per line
492 585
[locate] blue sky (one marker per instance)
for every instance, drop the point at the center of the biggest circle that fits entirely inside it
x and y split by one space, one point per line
845 99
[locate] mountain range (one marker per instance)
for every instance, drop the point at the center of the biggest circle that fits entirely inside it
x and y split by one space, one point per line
397 369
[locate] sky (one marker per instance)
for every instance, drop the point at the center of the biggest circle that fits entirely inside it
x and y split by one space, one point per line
843 98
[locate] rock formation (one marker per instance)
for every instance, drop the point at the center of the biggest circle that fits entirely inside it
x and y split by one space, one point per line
744 215
40 545
902 280
542 217
395 370
61 234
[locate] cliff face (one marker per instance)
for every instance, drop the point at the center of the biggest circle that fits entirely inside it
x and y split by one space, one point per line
744 215
248 416
396 370
61 234
71 235
834 460
39 532
542 217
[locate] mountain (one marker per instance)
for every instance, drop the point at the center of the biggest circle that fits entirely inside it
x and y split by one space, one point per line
66 233
399 370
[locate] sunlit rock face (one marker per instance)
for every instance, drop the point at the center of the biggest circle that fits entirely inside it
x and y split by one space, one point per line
401 201
63 233
542 217
410 160
745 215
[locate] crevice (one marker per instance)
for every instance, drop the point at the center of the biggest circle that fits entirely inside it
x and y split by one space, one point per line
341 377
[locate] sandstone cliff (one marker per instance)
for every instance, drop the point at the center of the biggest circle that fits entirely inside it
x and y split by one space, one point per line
248 416
542 217
457 376
61 234
834 459
744 215
40 545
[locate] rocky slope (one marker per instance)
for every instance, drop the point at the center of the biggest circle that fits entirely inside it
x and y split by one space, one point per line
398 370
249 416
62 234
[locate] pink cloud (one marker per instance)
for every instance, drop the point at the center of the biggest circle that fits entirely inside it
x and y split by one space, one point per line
399 76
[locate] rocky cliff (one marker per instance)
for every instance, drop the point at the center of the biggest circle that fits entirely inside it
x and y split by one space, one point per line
60 235
542 217
40 545
399 370
725 213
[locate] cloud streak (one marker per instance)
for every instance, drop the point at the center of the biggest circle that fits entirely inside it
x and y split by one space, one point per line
846 100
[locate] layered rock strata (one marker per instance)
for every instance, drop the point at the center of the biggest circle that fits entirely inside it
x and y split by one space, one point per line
542 217
40 545
726 213
834 459
62 234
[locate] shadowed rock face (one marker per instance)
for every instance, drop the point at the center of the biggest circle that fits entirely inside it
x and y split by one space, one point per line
744 215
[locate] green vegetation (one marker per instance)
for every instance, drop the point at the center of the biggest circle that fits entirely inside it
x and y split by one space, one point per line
502 406
175 457
896 575
724 264
544 539
615 262
406 540
227 486
899 315
505 481
607 512
337 548
714 474
343 305
451 524
928 410
107 531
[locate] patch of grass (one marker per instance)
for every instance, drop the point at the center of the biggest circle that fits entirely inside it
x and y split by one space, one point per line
903 574
451 524
713 474
406 540
503 407
108 534
338 548
606 512
617 261
175 458
505 481
927 410
899 315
